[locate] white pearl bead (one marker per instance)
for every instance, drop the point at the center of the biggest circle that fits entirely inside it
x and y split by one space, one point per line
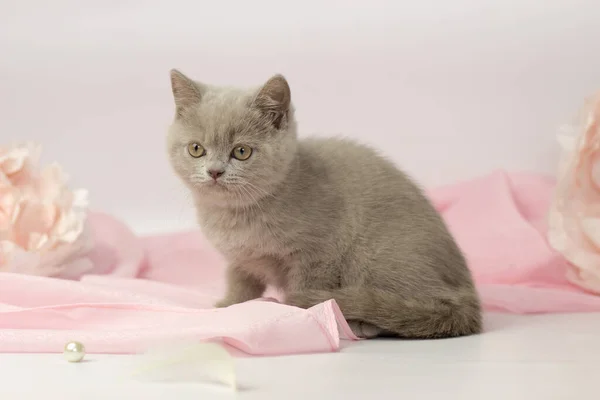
74 351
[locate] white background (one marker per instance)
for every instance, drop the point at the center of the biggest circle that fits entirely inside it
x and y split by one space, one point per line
543 357
448 89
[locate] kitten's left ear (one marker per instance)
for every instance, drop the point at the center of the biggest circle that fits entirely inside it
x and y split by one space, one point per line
186 92
274 100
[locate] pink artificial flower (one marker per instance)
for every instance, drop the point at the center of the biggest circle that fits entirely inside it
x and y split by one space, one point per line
18 163
9 207
574 220
12 160
42 222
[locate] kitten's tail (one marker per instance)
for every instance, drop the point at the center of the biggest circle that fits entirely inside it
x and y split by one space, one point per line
443 314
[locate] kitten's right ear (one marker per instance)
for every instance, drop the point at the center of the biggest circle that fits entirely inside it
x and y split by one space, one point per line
273 99
186 92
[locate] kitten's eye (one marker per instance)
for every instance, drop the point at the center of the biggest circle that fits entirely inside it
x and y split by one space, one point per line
242 152
196 150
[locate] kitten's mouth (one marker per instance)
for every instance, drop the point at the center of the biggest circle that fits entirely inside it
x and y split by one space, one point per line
217 185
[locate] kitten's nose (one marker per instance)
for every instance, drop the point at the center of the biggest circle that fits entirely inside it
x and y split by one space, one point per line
215 173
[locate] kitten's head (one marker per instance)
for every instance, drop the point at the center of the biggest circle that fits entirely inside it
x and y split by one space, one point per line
231 146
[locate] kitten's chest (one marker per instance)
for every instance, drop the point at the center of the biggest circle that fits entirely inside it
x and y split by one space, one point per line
247 234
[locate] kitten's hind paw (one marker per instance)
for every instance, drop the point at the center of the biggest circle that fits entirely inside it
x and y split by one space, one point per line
364 330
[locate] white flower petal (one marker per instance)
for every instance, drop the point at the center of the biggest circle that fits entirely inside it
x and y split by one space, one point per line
80 198
566 142
591 228
184 362
37 241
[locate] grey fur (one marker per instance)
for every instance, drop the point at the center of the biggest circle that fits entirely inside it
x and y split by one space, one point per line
317 218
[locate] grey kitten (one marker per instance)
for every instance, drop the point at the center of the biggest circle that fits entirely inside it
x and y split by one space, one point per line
318 219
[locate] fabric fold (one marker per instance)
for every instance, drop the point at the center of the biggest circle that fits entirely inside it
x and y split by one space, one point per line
145 291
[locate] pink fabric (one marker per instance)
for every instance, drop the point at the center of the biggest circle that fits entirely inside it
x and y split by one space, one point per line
498 220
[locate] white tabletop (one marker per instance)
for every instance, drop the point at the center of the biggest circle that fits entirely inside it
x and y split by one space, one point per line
519 357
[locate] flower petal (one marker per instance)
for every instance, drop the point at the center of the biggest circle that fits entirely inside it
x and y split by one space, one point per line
34 217
6 251
14 160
